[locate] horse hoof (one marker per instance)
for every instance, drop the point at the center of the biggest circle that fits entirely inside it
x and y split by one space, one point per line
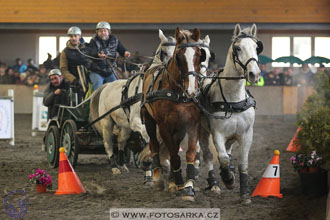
159 186
116 171
187 193
245 199
216 190
149 184
188 198
231 184
172 187
124 168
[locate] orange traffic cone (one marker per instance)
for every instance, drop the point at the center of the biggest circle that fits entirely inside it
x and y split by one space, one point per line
293 145
68 181
269 184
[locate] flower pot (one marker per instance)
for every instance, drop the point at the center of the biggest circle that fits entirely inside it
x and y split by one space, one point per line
303 170
314 184
314 169
41 188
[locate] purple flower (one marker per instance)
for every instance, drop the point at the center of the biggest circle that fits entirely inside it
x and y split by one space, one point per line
293 158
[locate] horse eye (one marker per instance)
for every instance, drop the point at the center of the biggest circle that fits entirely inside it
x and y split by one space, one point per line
238 48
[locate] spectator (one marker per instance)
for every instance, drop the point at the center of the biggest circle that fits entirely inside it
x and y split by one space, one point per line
32 79
323 69
263 70
43 76
287 76
11 75
19 66
56 93
31 65
104 45
22 79
271 79
4 78
306 77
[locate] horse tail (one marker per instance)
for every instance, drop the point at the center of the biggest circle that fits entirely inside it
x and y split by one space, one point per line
94 108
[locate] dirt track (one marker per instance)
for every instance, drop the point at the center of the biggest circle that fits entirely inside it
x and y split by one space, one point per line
127 191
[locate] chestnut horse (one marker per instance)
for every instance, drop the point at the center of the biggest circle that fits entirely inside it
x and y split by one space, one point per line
168 102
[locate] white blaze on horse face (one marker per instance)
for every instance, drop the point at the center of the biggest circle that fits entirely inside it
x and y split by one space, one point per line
189 54
249 50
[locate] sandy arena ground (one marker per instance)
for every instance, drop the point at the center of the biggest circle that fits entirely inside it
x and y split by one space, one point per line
127 191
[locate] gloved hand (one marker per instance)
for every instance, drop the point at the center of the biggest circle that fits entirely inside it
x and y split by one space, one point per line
75 82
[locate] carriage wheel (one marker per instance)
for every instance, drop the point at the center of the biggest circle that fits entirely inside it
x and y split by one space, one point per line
52 143
69 141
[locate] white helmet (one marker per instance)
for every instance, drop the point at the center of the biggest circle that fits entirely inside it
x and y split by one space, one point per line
54 72
103 24
74 30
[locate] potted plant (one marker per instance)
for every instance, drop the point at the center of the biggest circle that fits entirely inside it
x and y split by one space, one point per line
42 180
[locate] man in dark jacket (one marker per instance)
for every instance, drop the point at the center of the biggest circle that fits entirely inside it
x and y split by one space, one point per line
56 93
104 46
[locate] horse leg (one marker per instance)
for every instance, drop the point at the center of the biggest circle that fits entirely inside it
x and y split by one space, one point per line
188 191
227 176
137 126
123 136
213 183
229 147
245 145
145 161
107 133
157 176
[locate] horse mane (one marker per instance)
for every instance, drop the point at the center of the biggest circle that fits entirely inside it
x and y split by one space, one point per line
94 107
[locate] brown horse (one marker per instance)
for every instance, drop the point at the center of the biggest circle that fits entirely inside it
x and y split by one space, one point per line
168 102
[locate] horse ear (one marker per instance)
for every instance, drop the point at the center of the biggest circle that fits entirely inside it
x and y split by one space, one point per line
237 30
178 36
196 34
253 30
207 40
162 37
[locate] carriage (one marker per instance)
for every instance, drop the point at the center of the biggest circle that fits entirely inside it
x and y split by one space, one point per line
72 130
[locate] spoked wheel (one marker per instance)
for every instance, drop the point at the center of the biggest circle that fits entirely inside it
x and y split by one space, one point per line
69 141
52 143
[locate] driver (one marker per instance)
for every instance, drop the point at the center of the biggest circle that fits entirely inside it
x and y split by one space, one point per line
56 92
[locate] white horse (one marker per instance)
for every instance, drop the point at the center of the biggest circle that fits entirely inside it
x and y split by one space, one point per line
230 101
125 119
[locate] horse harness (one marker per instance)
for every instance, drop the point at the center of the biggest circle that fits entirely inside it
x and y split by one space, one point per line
225 106
260 48
126 101
166 94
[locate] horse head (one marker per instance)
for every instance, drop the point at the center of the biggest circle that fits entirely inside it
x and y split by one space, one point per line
209 54
245 49
166 47
188 57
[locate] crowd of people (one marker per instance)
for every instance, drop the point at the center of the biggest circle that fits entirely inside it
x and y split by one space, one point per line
287 77
22 74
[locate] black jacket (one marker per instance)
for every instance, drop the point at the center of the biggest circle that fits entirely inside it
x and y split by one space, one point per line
51 100
110 47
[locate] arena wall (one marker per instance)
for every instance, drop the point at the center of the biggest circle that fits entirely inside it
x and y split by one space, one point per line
165 11
271 100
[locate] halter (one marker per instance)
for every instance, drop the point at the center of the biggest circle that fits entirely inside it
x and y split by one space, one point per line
194 73
235 55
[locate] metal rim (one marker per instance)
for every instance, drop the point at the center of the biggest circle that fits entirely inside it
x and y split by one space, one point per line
52 145
69 141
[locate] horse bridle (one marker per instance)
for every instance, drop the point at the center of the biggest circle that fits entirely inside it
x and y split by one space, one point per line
235 54
194 73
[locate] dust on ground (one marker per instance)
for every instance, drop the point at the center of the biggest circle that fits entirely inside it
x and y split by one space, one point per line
127 190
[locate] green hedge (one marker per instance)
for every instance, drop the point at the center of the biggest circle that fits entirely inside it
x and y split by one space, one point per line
314 119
